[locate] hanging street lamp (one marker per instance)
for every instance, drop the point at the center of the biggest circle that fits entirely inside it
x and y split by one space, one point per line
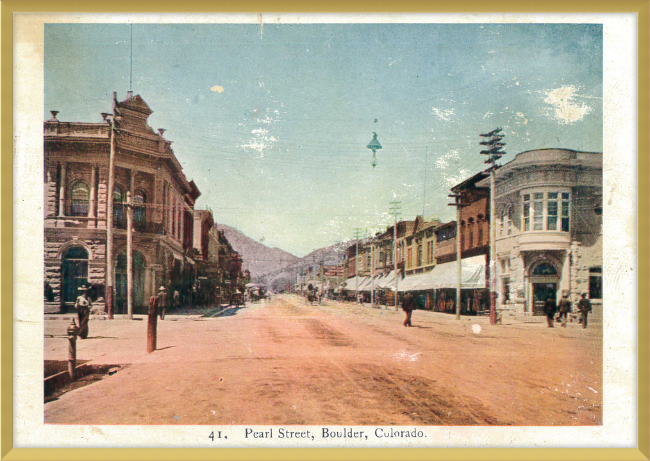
374 146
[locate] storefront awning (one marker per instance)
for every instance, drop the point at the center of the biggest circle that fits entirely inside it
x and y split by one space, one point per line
416 282
446 276
351 283
388 281
472 274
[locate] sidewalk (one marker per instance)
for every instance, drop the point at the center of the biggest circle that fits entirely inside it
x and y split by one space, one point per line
479 319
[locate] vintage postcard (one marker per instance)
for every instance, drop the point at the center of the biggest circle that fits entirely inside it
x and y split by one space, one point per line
282 230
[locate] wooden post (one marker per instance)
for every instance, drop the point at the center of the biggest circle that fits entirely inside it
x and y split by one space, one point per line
73 331
152 324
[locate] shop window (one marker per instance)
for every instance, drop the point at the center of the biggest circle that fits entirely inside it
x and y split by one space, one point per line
79 195
596 283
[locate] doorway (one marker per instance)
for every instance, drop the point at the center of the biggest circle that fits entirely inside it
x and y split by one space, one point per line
541 293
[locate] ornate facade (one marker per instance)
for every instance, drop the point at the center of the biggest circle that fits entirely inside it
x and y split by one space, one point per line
75 208
549 228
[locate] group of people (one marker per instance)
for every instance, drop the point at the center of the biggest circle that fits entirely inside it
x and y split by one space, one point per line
564 308
550 309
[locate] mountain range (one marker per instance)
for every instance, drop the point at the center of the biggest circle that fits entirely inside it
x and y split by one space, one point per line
278 268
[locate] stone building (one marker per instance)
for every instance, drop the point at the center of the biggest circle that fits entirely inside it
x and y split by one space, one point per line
549 229
75 208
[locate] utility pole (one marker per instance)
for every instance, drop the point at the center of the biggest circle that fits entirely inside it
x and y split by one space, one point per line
459 268
372 272
424 192
494 152
357 233
129 254
395 206
112 118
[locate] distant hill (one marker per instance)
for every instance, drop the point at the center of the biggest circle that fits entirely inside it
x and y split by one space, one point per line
258 258
281 278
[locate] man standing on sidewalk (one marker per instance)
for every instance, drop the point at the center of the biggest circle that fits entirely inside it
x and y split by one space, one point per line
549 310
565 308
584 305
407 306
83 305
162 302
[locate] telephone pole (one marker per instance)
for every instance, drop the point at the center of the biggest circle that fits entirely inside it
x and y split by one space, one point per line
395 206
129 253
459 268
357 233
494 152
112 119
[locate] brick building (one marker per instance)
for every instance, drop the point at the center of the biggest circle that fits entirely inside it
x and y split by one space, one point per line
75 207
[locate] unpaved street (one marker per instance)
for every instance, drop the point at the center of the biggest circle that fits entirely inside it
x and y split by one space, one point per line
288 362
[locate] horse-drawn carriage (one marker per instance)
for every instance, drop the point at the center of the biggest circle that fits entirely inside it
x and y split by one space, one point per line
237 299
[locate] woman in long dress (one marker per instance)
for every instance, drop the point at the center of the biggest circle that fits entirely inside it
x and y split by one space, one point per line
83 306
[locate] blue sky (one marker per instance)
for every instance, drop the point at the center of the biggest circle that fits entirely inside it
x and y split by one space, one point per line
271 123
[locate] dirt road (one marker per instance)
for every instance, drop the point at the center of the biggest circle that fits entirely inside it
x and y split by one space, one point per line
292 363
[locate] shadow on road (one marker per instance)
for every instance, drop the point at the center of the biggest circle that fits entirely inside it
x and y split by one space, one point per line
229 311
163 348
99 337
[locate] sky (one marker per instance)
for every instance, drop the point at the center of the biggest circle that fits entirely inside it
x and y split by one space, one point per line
272 122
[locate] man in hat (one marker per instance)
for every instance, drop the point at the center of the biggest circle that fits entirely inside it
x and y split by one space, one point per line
584 305
565 308
162 302
83 305
408 305
549 309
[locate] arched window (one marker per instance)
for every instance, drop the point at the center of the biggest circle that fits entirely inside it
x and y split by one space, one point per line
119 219
502 222
480 221
470 232
79 195
544 269
74 271
139 211
509 220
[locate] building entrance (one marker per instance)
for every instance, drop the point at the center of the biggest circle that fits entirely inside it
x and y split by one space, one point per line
542 292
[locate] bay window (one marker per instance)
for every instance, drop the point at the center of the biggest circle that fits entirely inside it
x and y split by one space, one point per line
546 211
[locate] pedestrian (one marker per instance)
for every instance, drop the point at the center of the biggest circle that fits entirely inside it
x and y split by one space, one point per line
549 310
177 299
584 305
83 305
162 302
407 306
565 308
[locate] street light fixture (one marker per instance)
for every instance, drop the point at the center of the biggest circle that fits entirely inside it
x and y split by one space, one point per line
374 146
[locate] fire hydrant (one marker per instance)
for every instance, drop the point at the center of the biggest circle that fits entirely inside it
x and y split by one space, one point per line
73 331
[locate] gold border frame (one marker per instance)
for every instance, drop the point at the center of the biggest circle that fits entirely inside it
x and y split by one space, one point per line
640 7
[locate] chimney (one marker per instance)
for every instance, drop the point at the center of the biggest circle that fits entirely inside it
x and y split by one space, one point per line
129 95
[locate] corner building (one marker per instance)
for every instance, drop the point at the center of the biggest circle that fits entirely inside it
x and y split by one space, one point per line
75 207
548 229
